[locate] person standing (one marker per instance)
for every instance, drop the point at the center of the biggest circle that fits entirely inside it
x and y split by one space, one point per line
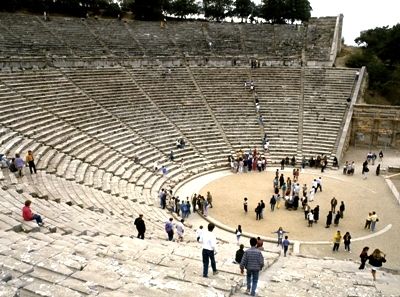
245 204
280 232
316 214
180 230
209 199
374 219
239 254
238 233
336 241
169 228
140 226
262 209
347 241
19 163
310 217
253 261
258 211
333 204
363 257
368 221
380 156
285 244
376 259
342 209
199 233
272 201
336 219
28 215
31 162
319 184
328 219
209 244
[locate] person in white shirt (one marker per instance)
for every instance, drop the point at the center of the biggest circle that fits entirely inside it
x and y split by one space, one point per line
180 229
319 184
199 234
209 243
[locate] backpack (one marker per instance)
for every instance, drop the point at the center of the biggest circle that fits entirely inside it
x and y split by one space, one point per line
13 168
168 227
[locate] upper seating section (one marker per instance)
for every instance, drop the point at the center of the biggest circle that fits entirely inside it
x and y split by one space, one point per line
30 36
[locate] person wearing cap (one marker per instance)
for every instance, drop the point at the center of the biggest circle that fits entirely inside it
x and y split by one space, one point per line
140 226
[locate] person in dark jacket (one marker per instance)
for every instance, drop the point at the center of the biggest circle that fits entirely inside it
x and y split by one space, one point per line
316 214
363 257
140 226
239 254
376 259
329 219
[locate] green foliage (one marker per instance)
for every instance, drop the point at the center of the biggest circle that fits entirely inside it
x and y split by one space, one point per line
278 11
217 9
381 55
67 7
183 8
243 9
148 10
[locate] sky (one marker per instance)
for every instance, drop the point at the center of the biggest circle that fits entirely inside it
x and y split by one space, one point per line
359 15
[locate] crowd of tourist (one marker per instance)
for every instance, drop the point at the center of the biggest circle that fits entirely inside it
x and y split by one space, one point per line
247 161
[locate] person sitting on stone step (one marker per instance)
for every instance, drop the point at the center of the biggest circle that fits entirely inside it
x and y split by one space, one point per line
28 215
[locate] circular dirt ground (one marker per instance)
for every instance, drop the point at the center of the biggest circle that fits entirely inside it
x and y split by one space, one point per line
360 197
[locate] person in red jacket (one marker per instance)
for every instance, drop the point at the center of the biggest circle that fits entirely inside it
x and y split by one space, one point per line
28 215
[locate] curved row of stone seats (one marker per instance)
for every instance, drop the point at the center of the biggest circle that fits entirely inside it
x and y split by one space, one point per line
75 37
70 265
221 38
232 104
309 276
178 98
118 37
26 35
126 101
76 145
181 32
68 194
279 90
63 165
326 91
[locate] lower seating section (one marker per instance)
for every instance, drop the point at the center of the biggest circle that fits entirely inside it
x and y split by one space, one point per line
326 91
91 252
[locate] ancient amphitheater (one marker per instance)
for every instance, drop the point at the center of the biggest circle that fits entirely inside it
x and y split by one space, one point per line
99 101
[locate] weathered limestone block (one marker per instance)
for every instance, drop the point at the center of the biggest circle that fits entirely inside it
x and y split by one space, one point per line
47 290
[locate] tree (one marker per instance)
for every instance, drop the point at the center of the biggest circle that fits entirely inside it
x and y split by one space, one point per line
243 9
183 8
147 9
380 53
298 10
274 11
217 9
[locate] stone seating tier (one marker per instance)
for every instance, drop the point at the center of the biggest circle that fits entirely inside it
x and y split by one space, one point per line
73 37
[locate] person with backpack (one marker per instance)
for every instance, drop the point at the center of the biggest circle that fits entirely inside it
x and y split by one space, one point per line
169 228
